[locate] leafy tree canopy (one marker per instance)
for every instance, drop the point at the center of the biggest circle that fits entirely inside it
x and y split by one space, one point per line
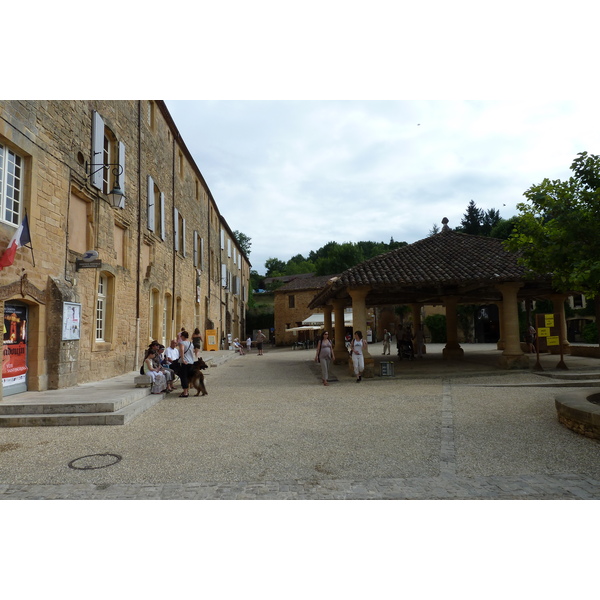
330 258
557 228
244 241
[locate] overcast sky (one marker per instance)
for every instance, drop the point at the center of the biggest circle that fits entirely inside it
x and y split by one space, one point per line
296 175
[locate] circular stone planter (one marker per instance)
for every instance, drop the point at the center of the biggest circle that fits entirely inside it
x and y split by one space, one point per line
580 411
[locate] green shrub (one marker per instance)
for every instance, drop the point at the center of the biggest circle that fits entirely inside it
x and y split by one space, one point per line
590 333
437 327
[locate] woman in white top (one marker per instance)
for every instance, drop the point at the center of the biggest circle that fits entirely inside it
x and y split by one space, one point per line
358 360
186 360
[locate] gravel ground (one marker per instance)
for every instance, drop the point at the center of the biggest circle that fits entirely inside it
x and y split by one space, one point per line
269 419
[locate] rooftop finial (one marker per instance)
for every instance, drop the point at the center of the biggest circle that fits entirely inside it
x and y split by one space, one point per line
445 224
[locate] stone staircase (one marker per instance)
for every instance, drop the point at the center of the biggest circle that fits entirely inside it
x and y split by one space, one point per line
119 410
114 401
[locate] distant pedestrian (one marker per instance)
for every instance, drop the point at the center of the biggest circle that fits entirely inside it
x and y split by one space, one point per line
260 338
386 341
249 344
532 334
325 355
358 360
197 342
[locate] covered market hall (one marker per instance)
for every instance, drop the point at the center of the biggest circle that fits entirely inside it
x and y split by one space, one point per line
449 269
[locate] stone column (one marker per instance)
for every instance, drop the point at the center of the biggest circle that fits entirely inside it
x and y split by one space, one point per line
339 348
512 356
558 307
327 323
359 323
452 349
416 317
501 343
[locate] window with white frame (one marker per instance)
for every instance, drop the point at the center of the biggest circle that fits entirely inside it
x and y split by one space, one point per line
107 150
156 209
101 308
179 233
11 185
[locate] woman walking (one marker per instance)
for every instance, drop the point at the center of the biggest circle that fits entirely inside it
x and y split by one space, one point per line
358 359
324 355
197 342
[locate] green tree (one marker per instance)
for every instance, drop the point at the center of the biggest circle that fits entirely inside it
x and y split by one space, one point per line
557 229
503 228
472 220
489 220
437 327
244 241
274 267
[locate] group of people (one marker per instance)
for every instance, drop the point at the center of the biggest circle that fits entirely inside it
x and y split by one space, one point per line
165 364
260 340
325 355
406 341
358 345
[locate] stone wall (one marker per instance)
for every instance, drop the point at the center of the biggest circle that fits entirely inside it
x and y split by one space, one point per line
140 267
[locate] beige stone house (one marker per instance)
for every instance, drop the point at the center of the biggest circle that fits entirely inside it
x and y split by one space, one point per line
104 278
291 307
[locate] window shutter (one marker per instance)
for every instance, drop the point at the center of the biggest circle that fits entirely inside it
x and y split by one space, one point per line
195 257
183 237
202 253
224 275
176 228
97 150
150 203
122 175
163 233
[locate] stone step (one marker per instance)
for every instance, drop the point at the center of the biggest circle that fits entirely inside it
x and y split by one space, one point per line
120 416
68 407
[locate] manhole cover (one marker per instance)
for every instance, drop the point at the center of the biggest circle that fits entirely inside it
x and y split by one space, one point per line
95 461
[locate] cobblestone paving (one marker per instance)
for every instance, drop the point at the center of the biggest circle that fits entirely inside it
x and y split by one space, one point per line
268 430
526 487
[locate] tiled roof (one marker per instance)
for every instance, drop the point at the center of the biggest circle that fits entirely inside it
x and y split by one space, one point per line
301 283
440 261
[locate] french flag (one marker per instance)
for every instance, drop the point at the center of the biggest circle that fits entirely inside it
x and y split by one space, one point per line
21 238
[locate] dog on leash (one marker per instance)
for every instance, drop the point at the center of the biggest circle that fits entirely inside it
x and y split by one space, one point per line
196 377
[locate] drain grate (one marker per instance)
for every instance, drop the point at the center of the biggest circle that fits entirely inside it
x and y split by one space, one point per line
95 461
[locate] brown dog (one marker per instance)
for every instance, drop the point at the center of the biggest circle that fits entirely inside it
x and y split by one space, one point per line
196 377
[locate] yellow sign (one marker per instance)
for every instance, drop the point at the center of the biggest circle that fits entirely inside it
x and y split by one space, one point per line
543 331
549 320
211 340
553 340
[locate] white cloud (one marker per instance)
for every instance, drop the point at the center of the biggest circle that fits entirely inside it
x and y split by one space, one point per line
295 175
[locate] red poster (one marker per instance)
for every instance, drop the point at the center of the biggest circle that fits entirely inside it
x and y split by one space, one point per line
14 346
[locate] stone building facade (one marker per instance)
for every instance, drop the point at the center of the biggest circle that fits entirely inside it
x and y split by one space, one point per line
291 307
164 259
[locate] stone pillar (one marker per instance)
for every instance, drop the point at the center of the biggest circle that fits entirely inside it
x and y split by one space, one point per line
501 343
452 349
339 348
558 307
327 322
416 317
359 323
512 356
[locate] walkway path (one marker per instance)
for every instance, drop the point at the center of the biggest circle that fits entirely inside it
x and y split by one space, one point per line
269 430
